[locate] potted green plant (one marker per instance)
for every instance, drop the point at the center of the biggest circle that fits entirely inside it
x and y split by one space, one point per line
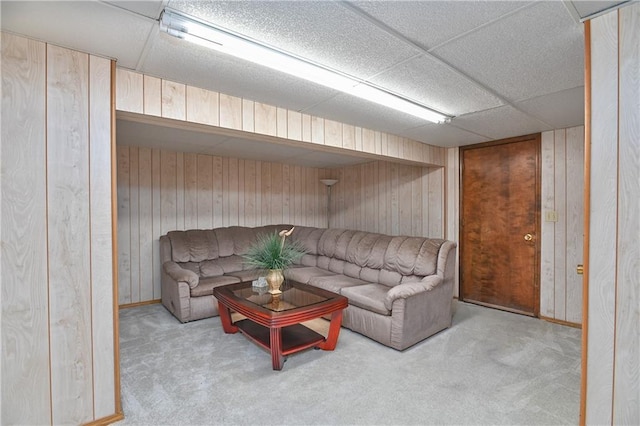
273 253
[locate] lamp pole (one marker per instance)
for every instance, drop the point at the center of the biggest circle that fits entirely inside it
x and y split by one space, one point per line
329 183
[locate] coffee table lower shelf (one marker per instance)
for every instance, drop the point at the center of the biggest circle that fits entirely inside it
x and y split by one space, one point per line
294 338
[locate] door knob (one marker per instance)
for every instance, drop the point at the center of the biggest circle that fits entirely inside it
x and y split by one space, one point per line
528 237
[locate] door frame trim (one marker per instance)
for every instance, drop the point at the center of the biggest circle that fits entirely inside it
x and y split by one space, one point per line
536 278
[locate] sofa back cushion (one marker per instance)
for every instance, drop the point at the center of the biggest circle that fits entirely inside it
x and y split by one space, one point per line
193 246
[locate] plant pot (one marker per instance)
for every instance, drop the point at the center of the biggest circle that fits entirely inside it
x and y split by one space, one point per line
275 279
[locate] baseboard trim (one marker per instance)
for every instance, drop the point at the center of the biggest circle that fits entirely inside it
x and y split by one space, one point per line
106 420
561 322
133 305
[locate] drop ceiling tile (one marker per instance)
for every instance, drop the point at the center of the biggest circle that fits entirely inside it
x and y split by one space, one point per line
148 8
587 8
499 123
429 23
561 109
181 61
351 110
320 31
536 51
435 85
90 27
445 135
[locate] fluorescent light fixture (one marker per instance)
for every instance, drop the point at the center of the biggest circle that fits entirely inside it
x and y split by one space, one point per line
205 34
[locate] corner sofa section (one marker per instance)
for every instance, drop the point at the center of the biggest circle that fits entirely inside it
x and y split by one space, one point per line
400 288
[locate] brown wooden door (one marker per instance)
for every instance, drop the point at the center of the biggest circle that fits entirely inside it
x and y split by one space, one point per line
500 219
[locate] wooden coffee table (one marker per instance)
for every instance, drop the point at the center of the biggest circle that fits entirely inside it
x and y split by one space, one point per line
275 325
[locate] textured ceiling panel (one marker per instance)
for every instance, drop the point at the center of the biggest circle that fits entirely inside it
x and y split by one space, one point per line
181 61
562 109
430 83
430 23
320 31
148 8
536 51
350 110
443 135
85 26
500 123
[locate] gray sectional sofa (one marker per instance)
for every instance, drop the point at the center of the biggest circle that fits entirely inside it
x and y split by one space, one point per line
400 288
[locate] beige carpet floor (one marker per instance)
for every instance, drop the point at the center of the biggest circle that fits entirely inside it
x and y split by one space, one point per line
490 368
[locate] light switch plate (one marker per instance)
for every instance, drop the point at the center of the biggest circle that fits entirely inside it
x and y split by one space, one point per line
551 216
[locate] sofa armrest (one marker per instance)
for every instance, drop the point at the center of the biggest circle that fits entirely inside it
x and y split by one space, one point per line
179 274
406 290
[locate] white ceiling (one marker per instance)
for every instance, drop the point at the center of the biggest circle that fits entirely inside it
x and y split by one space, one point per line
501 68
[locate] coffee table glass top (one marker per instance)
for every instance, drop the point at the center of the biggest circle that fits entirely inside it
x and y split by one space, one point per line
294 295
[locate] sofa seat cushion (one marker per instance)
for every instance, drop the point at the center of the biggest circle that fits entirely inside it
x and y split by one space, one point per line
369 296
206 285
247 275
336 283
304 274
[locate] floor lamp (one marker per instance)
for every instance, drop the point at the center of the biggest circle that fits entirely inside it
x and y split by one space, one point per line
329 183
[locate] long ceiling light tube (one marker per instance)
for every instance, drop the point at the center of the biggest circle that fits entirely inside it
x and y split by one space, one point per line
205 34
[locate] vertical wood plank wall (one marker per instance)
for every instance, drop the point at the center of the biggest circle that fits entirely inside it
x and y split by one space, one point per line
58 361
452 194
613 343
160 191
562 240
141 94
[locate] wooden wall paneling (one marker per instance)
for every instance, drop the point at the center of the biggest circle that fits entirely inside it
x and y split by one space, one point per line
547 229
348 137
266 190
248 116
205 193
394 223
145 226
560 234
203 106
294 125
298 216
282 123
436 206
129 91
368 140
180 191
25 310
574 222
357 198
452 196
333 133
168 191
306 127
286 194
134 224
603 212
174 100
404 195
190 191
156 219
369 196
358 138
626 405
277 195
317 130
249 205
230 112
217 187
258 194
69 241
241 193
383 198
101 237
124 227
233 201
266 119
152 96
225 191
417 197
